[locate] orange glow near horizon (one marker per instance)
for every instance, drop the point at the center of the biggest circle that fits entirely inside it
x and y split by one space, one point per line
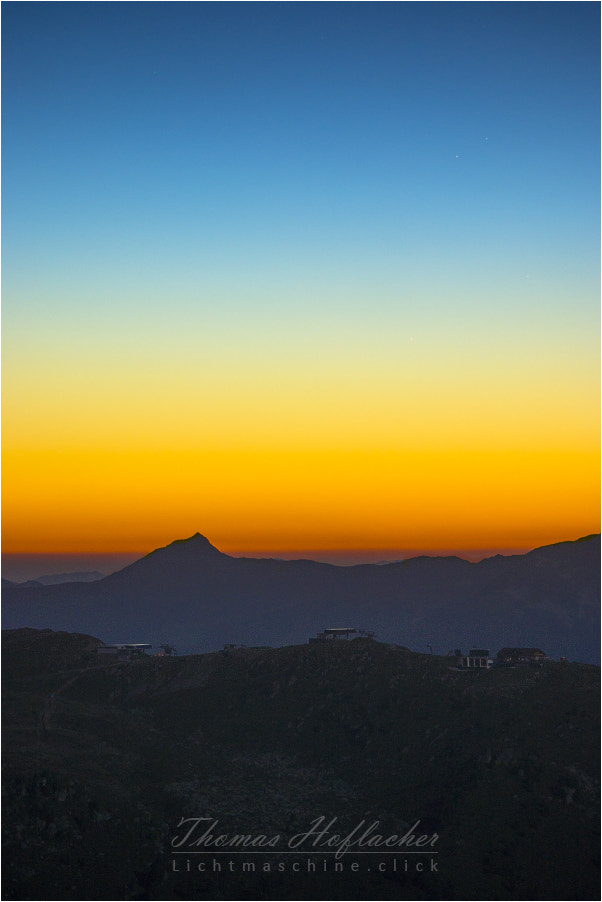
286 501
328 432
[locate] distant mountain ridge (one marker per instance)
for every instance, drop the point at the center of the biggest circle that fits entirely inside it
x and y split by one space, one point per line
54 579
192 595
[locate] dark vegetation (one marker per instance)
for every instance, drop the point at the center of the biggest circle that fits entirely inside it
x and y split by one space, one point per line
102 760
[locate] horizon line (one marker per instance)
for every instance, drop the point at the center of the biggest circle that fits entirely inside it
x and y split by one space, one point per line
21 566
296 552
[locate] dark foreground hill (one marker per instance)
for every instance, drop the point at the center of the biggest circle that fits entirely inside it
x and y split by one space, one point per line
498 769
191 595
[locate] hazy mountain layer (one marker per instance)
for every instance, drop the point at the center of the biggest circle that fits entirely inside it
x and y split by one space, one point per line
195 597
54 579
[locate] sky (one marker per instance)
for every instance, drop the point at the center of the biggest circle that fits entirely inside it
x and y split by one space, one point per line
300 276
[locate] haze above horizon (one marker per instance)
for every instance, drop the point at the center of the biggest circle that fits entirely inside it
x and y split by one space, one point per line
318 276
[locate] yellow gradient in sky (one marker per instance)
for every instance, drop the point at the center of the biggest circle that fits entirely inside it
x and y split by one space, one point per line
361 384
467 434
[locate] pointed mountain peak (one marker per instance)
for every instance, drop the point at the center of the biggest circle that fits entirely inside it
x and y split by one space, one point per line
196 543
182 554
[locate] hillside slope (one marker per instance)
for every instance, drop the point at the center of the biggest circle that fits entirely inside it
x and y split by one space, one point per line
103 761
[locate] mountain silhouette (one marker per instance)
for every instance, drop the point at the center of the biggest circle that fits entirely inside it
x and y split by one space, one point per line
198 598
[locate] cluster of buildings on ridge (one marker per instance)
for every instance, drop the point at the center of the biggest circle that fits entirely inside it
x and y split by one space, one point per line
477 658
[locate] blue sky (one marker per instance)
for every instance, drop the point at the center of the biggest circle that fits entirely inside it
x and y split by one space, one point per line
198 131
